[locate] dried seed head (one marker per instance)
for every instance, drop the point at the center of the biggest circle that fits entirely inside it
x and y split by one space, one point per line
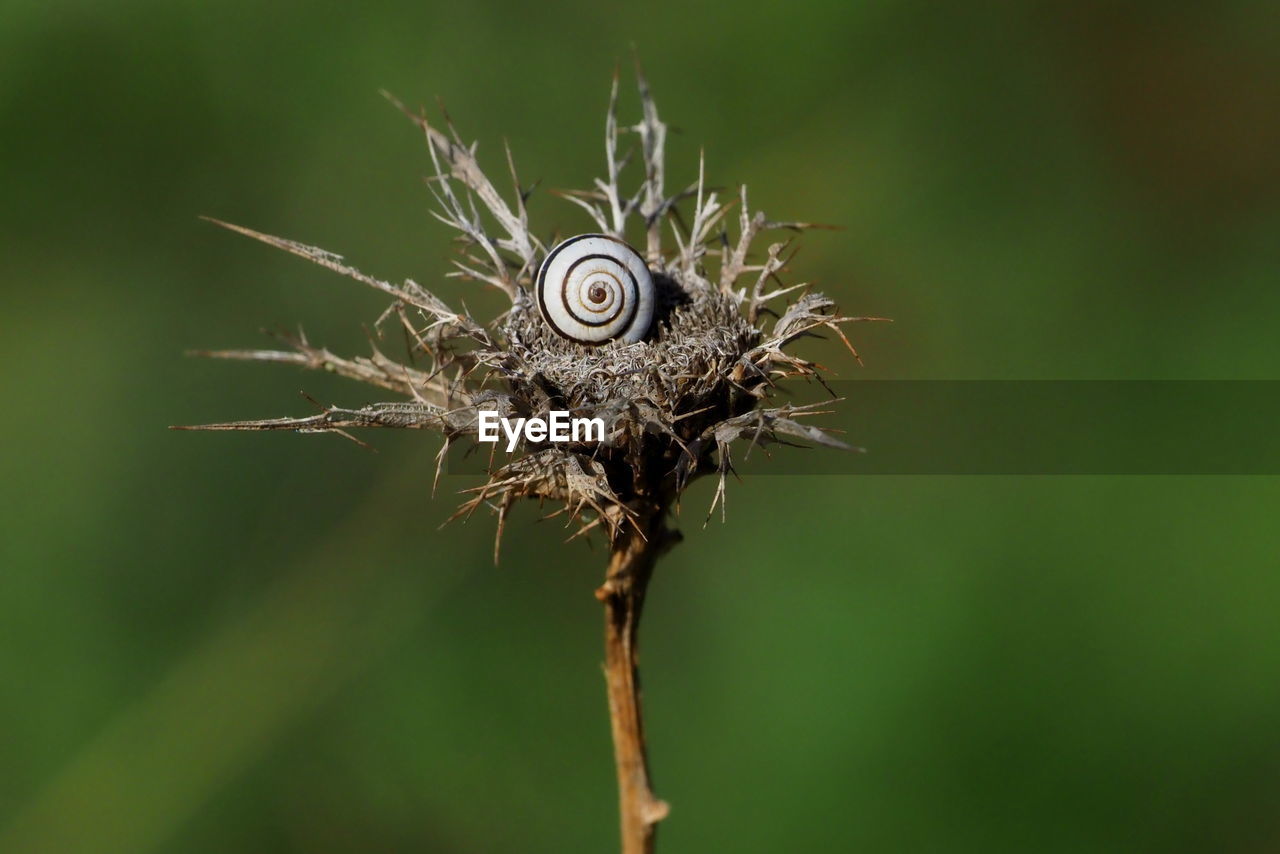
673 402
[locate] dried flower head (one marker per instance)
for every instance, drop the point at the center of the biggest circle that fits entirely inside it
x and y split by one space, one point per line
673 403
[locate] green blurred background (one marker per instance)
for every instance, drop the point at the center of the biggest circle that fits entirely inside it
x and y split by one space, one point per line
265 643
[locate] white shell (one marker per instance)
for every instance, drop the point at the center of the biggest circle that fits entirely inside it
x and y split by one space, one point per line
595 288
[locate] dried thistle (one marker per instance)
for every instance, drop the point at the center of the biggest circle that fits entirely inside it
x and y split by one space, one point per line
674 404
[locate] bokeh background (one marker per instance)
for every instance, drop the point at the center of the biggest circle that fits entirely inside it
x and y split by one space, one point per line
266 643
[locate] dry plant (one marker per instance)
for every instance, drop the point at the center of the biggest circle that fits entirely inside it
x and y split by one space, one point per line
674 404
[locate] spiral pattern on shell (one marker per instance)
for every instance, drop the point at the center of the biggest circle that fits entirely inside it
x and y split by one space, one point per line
595 288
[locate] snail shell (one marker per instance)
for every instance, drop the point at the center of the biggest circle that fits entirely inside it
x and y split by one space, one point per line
595 288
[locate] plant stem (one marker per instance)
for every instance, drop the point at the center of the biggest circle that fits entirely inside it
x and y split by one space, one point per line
630 567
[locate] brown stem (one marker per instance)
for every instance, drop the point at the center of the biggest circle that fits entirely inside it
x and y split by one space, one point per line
630 567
